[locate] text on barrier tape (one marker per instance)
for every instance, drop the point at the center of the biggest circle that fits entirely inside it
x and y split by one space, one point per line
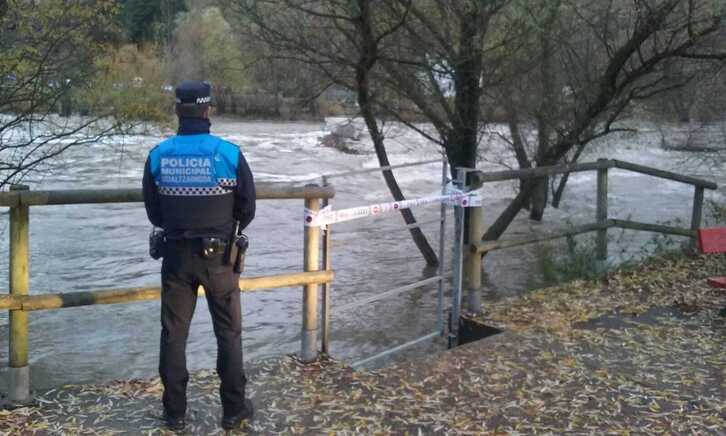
329 216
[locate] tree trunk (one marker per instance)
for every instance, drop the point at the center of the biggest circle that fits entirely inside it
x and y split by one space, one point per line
463 141
539 198
507 216
559 192
233 103
546 114
66 104
221 102
461 146
362 71
520 151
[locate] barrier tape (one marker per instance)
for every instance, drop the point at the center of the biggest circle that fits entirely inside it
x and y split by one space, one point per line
328 216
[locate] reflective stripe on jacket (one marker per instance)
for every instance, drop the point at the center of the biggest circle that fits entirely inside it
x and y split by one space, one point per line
197 185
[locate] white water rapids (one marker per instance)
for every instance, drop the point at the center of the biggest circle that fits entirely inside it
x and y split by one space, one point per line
89 247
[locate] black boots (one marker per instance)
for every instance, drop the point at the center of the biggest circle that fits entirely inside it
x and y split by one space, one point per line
173 423
234 421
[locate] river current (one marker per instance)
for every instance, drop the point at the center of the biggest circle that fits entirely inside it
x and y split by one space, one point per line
90 247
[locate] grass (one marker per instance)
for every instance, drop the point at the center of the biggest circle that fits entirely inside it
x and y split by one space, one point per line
577 258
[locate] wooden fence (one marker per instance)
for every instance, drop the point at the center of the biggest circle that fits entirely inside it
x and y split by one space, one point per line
479 247
19 302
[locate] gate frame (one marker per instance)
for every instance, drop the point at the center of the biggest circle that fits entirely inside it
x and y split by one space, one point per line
440 277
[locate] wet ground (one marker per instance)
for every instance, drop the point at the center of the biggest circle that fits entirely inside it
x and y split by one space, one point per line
639 352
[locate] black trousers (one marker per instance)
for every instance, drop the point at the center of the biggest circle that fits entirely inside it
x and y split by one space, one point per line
183 269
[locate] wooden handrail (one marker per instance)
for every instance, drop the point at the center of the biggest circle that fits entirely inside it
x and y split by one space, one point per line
663 174
486 246
9 302
533 173
117 296
19 303
265 191
657 228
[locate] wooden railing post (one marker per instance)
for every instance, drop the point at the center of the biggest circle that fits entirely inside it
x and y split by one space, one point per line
311 260
472 261
602 214
19 371
697 213
327 242
472 257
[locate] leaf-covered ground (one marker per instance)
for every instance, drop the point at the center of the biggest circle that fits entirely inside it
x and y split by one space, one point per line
641 352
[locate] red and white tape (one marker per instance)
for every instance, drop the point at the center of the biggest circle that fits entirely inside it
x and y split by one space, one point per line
328 216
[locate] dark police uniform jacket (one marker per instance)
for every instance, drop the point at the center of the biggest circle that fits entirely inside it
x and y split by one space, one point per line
197 185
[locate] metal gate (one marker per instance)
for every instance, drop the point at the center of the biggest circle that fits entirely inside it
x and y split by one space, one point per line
439 329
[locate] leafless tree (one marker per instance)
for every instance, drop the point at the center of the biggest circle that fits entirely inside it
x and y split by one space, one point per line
633 41
48 53
569 68
405 60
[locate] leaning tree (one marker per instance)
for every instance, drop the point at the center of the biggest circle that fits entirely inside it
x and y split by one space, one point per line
571 68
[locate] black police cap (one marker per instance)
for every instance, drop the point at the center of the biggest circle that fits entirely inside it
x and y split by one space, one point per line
194 92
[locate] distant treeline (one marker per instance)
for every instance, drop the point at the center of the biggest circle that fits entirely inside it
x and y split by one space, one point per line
556 74
137 50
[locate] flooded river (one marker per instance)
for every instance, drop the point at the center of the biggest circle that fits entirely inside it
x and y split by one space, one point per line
88 247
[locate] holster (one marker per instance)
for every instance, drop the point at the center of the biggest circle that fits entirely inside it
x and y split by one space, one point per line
241 243
156 243
235 253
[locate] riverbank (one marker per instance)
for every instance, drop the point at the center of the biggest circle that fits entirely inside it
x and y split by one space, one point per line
640 351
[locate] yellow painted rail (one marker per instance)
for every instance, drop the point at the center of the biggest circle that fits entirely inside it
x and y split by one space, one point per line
18 301
29 303
265 191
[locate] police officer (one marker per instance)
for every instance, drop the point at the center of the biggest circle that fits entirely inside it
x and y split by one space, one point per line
196 185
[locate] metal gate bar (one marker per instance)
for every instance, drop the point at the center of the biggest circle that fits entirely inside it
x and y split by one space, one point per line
421 224
327 287
440 278
442 231
390 293
457 286
396 349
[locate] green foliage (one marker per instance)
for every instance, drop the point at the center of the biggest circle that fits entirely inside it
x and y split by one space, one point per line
576 260
661 245
48 54
130 82
150 20
48 50
205 47
715 213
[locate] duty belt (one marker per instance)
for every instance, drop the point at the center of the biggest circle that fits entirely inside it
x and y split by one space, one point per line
213 246
206 246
